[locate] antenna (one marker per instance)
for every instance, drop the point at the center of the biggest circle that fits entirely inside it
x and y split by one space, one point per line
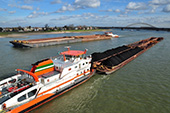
68 47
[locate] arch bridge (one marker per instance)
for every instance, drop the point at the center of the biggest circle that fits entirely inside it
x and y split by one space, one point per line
141 24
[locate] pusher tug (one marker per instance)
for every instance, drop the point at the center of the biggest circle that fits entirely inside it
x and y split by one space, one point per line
47 79
112 35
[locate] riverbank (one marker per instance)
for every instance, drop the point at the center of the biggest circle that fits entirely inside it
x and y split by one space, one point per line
23 35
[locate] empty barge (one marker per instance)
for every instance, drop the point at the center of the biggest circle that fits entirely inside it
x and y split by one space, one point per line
59 40
111 60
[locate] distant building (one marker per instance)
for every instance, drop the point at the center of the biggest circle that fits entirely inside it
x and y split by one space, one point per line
36 29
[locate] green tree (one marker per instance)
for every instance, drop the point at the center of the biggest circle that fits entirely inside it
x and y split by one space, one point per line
46 28
1 29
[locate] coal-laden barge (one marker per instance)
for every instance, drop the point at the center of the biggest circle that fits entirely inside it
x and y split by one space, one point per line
62 40
111 60
52 77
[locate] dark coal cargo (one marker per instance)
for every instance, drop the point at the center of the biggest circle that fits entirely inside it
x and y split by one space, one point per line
113 59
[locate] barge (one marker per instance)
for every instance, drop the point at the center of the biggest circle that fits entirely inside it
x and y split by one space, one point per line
60 40
111 60
47 79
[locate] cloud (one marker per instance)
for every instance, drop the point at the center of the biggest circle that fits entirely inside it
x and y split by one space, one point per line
122 15
117 11
92 16
111 20
87 3
84 16
66 17
89 15
3 23
35 14
155 4
12 12
30 1
111 10
153 8
108 10
13 22
83 19
12 5
55 2
37 8
79 4
25 7
2 9
136 6
166 8
67 7
160 2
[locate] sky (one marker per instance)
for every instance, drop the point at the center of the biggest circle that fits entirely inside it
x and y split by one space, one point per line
118 13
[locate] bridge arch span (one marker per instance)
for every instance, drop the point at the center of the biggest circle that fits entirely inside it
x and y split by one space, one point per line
141 24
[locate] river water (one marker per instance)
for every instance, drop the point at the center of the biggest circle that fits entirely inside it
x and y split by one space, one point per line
142 86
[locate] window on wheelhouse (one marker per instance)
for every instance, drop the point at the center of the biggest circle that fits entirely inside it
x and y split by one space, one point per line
23 97
69 57
32 93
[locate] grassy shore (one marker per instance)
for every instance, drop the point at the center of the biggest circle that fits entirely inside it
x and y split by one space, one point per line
5 33
22 34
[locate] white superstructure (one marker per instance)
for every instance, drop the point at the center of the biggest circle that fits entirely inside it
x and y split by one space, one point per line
47 78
